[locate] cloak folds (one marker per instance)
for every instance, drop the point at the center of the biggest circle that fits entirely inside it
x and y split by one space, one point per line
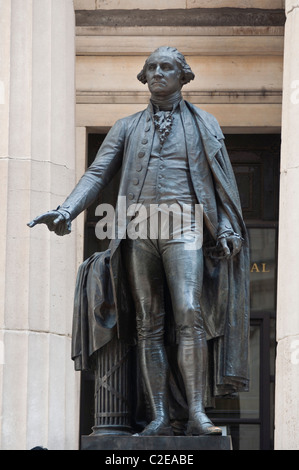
103 305
94 317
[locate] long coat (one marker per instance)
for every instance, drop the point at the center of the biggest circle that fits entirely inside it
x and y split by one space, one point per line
225 296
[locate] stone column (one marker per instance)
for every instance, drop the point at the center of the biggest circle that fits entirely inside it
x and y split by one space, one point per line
38 386
287 363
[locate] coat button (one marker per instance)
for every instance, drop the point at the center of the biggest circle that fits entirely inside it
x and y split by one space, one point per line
138 167
144 141
131 196
141 154
135 181
147 128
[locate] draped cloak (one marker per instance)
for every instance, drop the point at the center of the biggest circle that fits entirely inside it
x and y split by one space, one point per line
103 305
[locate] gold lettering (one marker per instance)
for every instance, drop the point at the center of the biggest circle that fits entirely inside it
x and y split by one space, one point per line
264 268
259 268
254 268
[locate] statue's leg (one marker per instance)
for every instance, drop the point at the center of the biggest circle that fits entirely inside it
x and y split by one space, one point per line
184 272
146 280
155 374
192 359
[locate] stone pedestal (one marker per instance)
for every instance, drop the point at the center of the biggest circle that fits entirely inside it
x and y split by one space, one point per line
153 443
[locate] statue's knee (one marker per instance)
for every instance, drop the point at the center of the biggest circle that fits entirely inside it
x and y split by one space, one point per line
191 323
189 332
188 315
147 331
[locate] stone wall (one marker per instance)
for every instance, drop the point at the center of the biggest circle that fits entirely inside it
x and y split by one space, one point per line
167 4
38 386
287 362
236 54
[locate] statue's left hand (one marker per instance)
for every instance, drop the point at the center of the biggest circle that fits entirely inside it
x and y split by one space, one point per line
55 221
231 245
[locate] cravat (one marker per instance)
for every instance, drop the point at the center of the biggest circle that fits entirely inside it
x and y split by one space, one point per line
163 122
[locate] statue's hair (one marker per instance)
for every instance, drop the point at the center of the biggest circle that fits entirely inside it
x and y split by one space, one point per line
188 75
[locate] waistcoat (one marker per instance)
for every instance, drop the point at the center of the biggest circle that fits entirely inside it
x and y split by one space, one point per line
168 178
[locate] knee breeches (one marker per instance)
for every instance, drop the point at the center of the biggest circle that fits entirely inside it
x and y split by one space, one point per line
154 265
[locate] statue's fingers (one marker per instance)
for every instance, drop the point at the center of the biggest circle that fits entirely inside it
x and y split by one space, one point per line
40 219
31 224
225 247
59 229
58 219
51 226
62 228
237 247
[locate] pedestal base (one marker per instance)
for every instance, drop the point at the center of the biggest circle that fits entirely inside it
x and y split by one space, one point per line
149 443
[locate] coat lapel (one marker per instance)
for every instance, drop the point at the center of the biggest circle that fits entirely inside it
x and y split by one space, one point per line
202 146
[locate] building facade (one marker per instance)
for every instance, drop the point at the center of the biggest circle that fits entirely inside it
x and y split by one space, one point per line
68 72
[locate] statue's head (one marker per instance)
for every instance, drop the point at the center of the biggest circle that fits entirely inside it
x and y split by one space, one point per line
169 63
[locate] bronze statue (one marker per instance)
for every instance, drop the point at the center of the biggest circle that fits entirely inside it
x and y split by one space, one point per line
173 153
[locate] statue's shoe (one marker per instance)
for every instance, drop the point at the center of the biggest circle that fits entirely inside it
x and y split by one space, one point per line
203 426
156 428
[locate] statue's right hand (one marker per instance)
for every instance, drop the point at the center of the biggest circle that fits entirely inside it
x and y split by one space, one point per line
55 221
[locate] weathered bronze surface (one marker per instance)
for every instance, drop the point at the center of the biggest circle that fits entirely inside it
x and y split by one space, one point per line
186 309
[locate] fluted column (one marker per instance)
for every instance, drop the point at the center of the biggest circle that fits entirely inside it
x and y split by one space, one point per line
38 386
287 363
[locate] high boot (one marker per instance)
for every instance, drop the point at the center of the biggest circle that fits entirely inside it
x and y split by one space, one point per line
192 359
154 369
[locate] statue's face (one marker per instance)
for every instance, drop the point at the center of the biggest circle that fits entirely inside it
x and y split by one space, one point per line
163 74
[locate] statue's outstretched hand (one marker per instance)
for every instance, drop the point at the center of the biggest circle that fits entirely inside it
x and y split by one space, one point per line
55 220
231 245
